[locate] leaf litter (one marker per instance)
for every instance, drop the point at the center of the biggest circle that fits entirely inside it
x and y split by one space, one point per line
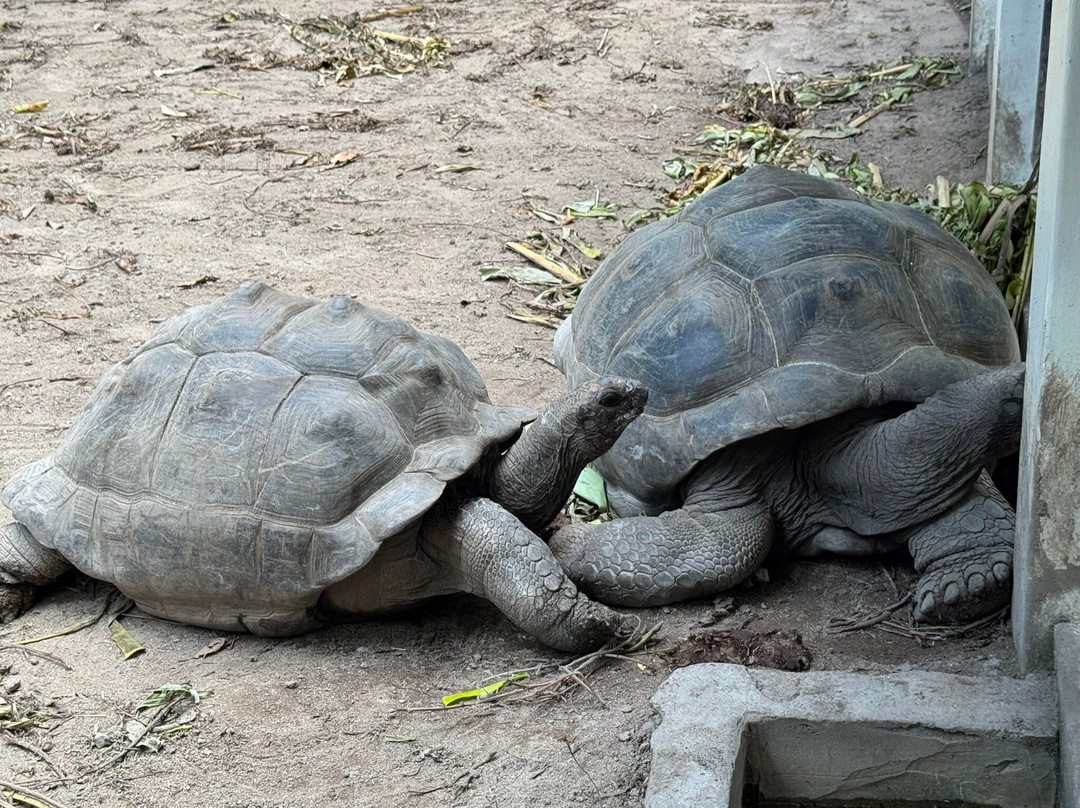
349 48
776 124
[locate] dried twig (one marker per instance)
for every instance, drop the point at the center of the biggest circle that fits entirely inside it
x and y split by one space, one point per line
34 652
839 625
461 782
566 677
158 718
18 790
11 739
77 626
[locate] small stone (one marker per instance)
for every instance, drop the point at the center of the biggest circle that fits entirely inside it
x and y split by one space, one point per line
292 685
101 740
11 685
625 736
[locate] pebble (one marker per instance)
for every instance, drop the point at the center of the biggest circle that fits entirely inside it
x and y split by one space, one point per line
101 740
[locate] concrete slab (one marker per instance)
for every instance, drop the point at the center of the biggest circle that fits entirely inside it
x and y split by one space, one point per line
1067 663
841 738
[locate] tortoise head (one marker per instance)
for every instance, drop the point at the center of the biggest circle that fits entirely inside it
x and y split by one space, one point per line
603 408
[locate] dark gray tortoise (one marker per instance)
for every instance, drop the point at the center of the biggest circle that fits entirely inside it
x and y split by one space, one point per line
826 373
266 460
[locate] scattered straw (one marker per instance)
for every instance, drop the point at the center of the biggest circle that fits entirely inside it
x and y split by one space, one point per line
563 678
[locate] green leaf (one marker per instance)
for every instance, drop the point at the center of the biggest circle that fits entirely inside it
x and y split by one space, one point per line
592 208
677 169
168 693
591 487
482 692
579 244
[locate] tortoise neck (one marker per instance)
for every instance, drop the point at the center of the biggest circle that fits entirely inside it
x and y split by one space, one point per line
534 477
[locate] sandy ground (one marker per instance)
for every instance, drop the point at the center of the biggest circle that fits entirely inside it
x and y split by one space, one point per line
108 220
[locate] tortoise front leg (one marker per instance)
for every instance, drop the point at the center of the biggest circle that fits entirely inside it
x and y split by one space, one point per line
965 557
888 475
652 560
25 564
496 557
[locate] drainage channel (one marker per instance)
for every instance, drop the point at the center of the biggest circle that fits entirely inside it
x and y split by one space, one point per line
735 737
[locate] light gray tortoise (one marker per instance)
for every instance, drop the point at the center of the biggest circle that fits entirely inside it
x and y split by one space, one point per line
267 460
826 373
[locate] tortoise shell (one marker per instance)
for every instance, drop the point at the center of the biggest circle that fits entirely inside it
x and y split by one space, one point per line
256 450
774 301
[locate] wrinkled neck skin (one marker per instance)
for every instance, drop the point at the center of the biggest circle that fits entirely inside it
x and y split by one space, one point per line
534 477
765 469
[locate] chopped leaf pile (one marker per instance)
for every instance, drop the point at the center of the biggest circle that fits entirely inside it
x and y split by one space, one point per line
776 124
350 49
169 693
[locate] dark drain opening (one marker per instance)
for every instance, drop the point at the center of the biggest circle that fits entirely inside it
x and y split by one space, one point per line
797 763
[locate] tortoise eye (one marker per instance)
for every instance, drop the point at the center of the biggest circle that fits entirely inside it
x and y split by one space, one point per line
610 398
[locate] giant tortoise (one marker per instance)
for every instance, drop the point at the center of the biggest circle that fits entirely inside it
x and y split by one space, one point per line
267 460
826 373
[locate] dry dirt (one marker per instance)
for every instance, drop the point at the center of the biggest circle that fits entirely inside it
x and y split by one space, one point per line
108 221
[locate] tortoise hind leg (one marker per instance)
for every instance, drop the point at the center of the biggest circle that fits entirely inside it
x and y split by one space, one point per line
25 564
965 557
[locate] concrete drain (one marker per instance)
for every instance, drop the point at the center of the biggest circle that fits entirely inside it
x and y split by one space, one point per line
736 737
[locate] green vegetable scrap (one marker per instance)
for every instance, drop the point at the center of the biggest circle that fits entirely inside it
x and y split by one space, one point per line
591 209
591 487
127 644
168 694
482 692
588 501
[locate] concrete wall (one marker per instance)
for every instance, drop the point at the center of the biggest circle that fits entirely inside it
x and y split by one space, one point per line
1047 588
1016 70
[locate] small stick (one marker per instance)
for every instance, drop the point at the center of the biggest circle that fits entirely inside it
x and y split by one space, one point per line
392 12
75 627
4 387
34 652
772 84
841 625
570 749
467 776
59 328
859 120
11 739
159 716
17 789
